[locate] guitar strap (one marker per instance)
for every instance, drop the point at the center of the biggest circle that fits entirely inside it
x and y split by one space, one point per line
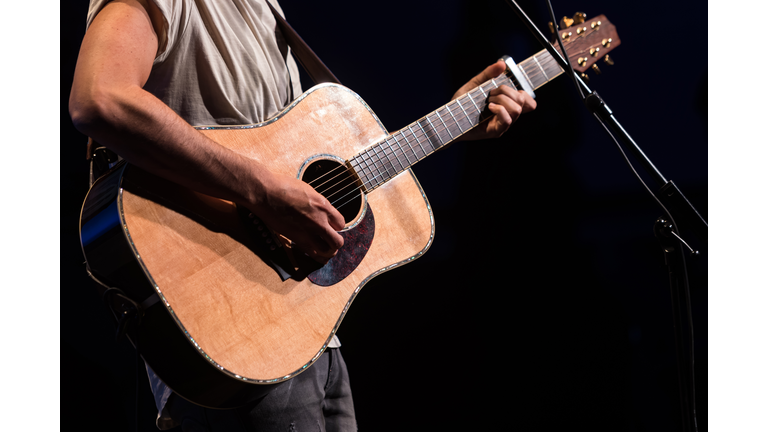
315 68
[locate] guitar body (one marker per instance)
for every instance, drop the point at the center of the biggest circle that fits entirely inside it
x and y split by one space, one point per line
227 327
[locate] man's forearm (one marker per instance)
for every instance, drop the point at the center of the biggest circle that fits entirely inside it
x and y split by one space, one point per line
148 134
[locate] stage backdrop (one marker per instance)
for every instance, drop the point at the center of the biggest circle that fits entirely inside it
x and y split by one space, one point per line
544 302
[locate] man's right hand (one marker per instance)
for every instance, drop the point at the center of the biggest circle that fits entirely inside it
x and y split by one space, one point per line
295 210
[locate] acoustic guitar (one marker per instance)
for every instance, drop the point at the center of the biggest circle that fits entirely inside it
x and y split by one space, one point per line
227 309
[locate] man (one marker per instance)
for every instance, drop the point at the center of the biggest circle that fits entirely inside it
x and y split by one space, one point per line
147 71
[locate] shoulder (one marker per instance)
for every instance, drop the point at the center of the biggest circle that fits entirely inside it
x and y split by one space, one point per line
166 16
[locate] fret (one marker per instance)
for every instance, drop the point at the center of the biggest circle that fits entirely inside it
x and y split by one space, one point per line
541 69
378 164
448 108
405 153
472 98
441 133
355 165
402 167
372 168
539 65
386 162
526 76
393 150
443 122
365 173
414 137
429 134
433 128
469 120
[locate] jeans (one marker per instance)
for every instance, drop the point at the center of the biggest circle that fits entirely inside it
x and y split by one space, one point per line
318 399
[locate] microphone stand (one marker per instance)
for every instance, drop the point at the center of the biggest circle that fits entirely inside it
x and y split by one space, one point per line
673 203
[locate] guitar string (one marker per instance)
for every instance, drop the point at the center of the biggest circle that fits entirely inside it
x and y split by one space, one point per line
384 168
534 73
386 139
371 180
386 171
420 138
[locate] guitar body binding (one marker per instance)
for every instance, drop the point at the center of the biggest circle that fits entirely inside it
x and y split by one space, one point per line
227 328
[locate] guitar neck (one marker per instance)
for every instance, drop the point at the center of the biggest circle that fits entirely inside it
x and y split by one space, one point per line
401 150
540 68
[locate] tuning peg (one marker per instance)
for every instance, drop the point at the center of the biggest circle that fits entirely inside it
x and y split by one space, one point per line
596 69
566 22
608 60
579 17
552 28
585 77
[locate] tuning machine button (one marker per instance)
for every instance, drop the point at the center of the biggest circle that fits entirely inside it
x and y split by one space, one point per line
596 24
582 61
594 51
596 69
585 77
608 60
578 18
607 42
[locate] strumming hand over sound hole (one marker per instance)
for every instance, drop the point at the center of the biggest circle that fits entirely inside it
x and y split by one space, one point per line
335 182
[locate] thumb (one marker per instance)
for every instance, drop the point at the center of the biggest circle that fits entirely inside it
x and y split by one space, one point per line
491 71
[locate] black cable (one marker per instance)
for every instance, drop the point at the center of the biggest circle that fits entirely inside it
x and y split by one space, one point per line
562 50
128 314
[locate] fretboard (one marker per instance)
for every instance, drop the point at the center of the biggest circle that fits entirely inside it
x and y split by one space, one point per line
401 150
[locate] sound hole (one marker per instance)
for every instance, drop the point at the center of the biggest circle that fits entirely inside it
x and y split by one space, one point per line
333 180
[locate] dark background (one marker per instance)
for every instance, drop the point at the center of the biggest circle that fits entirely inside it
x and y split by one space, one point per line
544 301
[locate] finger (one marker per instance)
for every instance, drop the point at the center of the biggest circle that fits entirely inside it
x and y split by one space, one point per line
520 97
517 96
333 240
491 71
318 248
335 219
501 120
530 103
510 106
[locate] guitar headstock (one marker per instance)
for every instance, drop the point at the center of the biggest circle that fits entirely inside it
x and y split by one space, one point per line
587 41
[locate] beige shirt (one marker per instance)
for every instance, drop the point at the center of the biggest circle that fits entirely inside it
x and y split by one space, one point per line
220 62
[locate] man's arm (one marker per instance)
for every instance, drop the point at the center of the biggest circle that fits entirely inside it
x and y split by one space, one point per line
108 103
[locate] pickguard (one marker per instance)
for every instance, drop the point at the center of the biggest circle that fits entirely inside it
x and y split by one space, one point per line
357 241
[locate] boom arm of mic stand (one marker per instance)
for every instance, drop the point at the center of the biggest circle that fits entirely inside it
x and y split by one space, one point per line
668 193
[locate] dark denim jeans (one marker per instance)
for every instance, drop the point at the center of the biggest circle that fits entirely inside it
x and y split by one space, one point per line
318 399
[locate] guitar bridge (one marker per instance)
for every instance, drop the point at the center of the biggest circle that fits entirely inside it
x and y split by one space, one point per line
276 250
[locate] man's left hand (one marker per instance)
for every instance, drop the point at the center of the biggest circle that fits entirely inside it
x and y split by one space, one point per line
506 104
